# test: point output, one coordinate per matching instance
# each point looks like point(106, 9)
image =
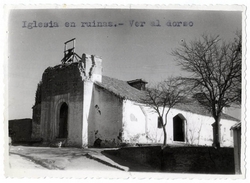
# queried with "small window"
point(160, 122)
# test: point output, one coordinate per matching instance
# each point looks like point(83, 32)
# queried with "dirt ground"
point(18, 162)
point(22, 157)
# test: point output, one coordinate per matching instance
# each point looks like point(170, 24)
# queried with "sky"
point(128, 52)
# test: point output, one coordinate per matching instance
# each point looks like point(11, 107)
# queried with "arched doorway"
point(179, 128)
point(63, 121)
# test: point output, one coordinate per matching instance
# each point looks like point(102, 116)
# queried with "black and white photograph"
point(126, 90)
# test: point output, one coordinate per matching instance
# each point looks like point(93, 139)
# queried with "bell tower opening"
point(63, 121)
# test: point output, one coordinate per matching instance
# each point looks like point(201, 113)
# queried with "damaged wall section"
point(105, 119)
point(69, 85)
point(60, 84)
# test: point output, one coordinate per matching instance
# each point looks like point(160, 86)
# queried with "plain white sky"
point(127, 52)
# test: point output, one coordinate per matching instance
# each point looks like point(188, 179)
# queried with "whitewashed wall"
point(134, 123)
point(104, 118)
point(226, 133)
point(140, 125)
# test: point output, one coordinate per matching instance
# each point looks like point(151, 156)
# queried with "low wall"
point(20, 130)
point(198, 160)
point(137, 158)
point(176, 159)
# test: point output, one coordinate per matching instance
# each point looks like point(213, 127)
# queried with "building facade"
point(77, 104)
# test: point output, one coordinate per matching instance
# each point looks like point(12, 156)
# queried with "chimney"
point(138, 84)
point(91, 67)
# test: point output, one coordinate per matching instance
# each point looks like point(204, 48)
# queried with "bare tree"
point(162, 98)
point(215, 68)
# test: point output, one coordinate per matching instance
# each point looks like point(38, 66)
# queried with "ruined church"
point(77, 104)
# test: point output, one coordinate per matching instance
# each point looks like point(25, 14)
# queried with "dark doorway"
point(63, 121)
point(179, 128)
